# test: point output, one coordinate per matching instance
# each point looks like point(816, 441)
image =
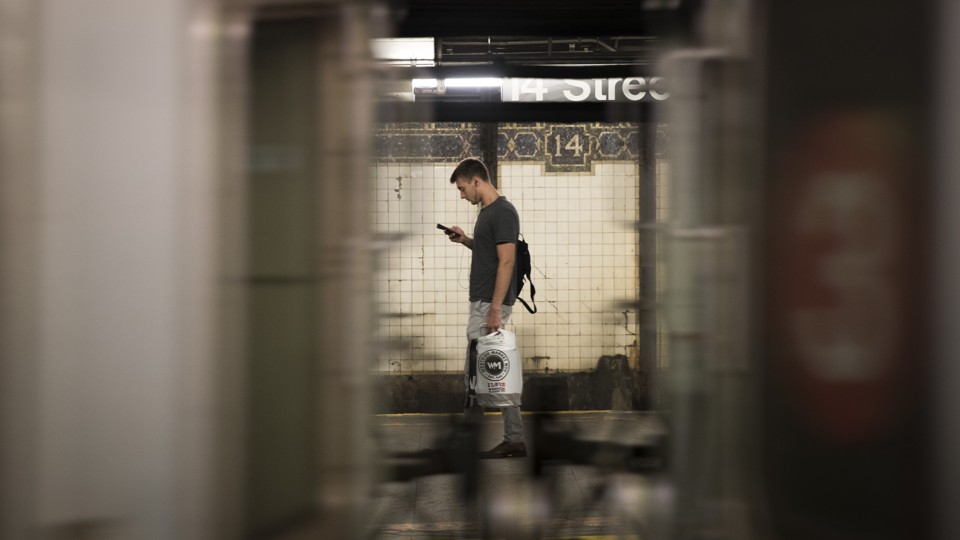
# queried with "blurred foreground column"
point(345, 117)
point(112, 416)
point(710, 245)
point(845, 341)
point(946, 238)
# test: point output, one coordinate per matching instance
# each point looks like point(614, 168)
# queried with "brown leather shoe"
point(505, 450)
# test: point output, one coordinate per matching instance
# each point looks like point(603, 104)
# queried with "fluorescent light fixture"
point(404, 51)
point(424, 83)
point(486, 82)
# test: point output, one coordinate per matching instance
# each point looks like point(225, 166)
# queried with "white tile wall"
point(584, 246)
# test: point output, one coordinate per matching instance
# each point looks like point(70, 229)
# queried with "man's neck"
point(488, 196)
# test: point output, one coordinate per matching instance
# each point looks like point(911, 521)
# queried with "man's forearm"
point(467, 241)
point(504, 273)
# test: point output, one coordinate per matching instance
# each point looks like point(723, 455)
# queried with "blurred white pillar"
point(112, 398)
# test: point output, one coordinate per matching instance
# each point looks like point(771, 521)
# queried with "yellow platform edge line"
point(397, 415)
point(604, 537)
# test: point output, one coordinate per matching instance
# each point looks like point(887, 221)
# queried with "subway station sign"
point(577, 90)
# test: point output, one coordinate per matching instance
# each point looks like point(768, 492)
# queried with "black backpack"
point(523, 268)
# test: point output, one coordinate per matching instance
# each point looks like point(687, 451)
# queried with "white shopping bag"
point(499, 370)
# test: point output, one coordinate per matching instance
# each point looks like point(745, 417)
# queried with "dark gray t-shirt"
point(498, 223)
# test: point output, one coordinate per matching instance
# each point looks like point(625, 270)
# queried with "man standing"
point(492, 283)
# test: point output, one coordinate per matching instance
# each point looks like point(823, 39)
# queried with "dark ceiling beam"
point(523, 71)
point(453, 18)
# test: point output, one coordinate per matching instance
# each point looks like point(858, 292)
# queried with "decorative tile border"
point(560, 147)
point(434, 141)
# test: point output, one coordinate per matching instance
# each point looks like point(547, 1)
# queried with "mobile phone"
point(447, 230)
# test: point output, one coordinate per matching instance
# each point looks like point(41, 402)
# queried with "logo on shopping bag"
point(494, 364)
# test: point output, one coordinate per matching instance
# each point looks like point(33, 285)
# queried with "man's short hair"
point(469, 168)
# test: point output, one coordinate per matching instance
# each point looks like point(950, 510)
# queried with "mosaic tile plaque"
point(569, 148)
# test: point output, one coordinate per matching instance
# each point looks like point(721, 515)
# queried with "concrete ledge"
point(611, 386)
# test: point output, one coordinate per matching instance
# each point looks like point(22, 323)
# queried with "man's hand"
point(494, 321)
point(460, 237)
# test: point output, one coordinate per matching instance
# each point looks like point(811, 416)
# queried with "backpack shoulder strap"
point(533, 290)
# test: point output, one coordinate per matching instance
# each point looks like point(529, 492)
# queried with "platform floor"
point(566, 501)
